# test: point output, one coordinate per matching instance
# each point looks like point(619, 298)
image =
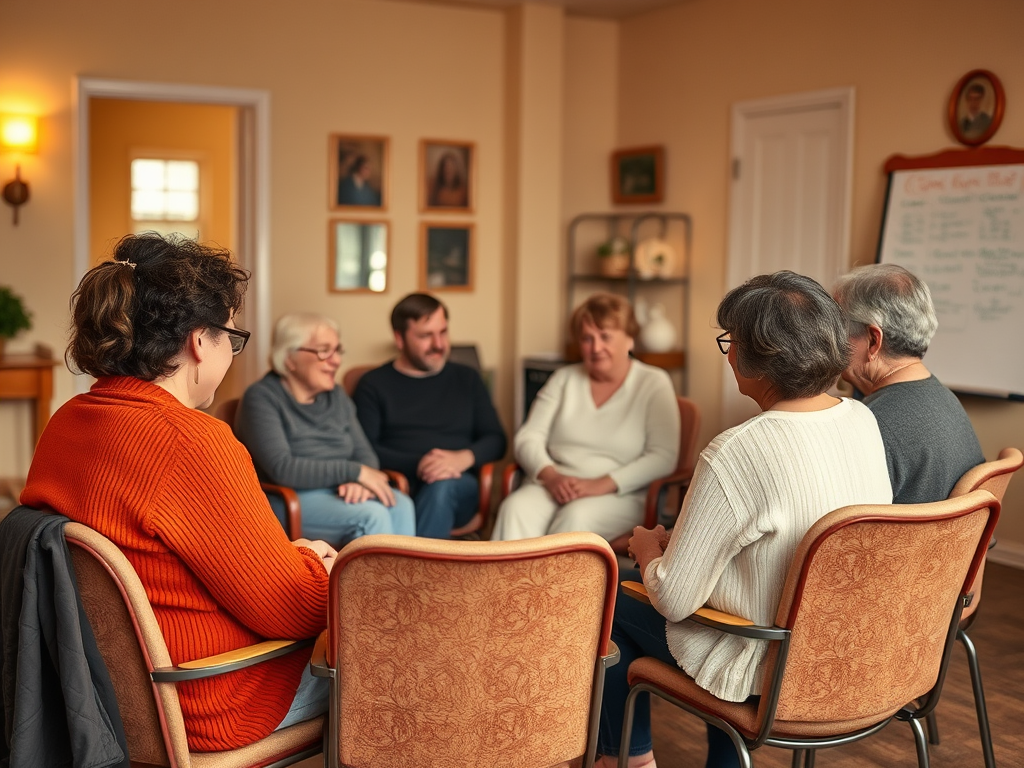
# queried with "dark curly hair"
point(131, 316)
point(788, 330)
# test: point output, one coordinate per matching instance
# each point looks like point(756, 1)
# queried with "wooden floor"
point(998, 633)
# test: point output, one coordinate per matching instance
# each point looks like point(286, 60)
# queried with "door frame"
point(253, 189)
point(737, 268)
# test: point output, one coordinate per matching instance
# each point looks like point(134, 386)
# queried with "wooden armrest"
point(486, 480)
point(638, 591)
point(230, 661)
point(721, 617)
point(508, 478)
point(292, 507)
point(318, 661)
point(398, 480)
point(682, 480)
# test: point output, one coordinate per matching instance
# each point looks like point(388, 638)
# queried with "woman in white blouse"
point(598, 433)
point(756, 490)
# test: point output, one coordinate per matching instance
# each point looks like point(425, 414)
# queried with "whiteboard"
point(961, 230)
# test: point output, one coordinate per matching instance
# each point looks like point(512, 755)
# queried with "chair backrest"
point(350, 380)
point(468, 653)
point(869, 601)
point(227, 411)
point(689, 428)
point(132, 645)
point(994, 477)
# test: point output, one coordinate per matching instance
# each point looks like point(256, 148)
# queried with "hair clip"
point(127, 263)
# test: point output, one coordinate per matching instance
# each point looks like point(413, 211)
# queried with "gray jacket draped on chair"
point(59, 707)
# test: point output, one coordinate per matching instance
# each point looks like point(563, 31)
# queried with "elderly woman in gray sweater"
point(301, 431)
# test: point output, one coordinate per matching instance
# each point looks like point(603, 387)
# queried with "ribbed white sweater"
point(757, 489)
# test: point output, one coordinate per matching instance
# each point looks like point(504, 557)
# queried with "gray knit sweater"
point(929, 441)
point(319, 445)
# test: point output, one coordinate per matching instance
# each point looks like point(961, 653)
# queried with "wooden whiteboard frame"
point(951, 158)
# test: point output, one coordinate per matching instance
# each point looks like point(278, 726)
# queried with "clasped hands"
point(371, 484)
point(647, 544)
point(439, 464)
point(565, 488)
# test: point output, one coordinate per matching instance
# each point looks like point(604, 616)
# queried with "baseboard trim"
point(1008, 553)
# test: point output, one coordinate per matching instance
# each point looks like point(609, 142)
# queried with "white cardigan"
point(756, 490)
point(633, 437)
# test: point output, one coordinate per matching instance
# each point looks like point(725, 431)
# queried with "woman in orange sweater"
point(135, 460)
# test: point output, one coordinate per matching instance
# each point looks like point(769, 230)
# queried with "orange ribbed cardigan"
point(177, 493)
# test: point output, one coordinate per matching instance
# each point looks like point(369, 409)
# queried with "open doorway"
point(238, 122)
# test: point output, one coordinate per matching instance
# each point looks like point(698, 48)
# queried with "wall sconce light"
point(18, 133)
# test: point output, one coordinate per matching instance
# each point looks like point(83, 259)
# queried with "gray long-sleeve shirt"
point(319, 445)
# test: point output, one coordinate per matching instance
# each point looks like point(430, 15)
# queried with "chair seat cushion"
point(675, 682)
point(278, 745)
point(744, 715)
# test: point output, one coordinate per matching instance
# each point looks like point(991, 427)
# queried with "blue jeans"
point(446, 504)
point(639, 630)
point(311, 700)
point(326, 516)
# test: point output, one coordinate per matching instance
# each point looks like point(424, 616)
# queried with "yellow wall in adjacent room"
point(121, 130)
point(682, 69)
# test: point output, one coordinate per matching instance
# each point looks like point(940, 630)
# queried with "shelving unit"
point(588, 230)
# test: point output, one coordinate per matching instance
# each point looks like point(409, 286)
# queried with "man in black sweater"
point(430, 419)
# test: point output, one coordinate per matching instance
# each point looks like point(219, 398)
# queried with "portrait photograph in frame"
point(638, 175)
point(447, 171)
point(358, 172)
point(976, 107)
point(357, 256)
point(446, 256)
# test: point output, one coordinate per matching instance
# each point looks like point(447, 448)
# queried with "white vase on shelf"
point(657, 334)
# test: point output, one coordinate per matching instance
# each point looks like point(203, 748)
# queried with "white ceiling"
point(609, 9)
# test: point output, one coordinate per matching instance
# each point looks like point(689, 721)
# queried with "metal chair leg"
point(979, 699)
point(921, 742)
point(932, 723)
point(798, 755)
point(809, 762)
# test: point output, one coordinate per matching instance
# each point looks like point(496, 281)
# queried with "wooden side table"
point(30, 377)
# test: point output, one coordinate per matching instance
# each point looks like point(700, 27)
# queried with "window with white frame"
point(165, 196)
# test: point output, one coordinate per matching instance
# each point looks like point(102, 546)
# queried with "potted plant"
point(613, 257)
point(13, 316)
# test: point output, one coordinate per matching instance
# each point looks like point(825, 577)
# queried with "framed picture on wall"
point(357, 258)
point(638, 175)
point(446, 257)
point(446, 175)
point(976, 107)
point(358, 172)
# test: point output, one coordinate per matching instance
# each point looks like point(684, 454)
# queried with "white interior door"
point(790, 197)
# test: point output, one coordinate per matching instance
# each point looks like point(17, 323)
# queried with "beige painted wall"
point(682, 69)
point(120, 129)
point(406, 70)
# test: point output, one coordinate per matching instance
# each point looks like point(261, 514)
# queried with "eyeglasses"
point(324, 353)
point(723, 342)
point(236, 336)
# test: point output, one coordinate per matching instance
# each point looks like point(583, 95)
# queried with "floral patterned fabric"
point(454, 664)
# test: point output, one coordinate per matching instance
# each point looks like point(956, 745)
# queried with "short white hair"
point(894, 299)
point(293, 331)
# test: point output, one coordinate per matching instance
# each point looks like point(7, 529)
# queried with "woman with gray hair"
point(929, 440)
point(301, 430)
point(756, 490)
